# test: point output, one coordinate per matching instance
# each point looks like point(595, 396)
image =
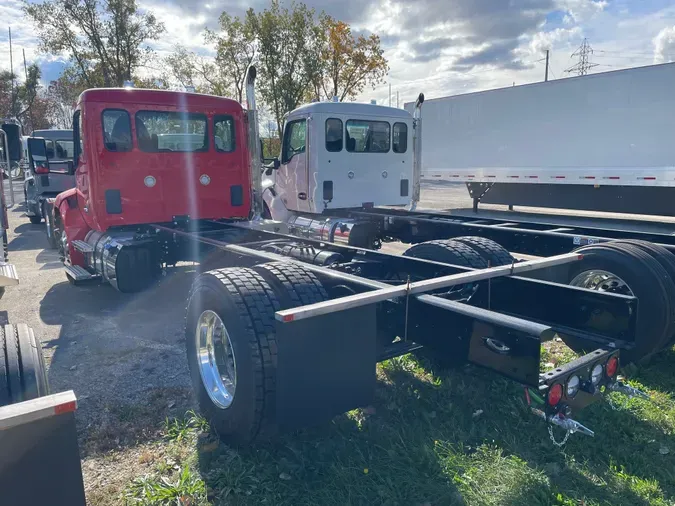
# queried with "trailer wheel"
point(23, 375)
point(492, 252)
point(447, 251)
point(231, 350)
point(626, 269)
point(667, 260)
point(293, 284)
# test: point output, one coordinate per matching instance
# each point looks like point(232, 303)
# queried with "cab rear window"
point(161, 131)
point(116, 130)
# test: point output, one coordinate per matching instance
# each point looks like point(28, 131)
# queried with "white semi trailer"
point(602, 142)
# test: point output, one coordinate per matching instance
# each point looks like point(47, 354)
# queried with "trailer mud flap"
point(325, 366)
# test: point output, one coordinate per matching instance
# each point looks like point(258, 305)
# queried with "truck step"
point(8, 275)
point(82, 247)
point(79, 273)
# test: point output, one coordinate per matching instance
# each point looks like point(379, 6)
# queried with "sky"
point(438, 47)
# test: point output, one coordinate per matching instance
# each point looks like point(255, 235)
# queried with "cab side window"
point(116, 130)
point(400, 137)
point(295, 137)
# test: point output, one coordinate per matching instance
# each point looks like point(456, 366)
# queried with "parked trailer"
point(256, 333)
point(599, 142)
point(38, 435)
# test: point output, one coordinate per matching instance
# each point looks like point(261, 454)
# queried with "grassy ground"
point(432, 438)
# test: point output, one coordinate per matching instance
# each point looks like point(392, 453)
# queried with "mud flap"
point(326, 366)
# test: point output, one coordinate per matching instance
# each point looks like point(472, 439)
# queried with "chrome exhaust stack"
point(255, 163)
point(417, 152)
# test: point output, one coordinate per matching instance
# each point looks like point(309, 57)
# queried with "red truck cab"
point(147, 157)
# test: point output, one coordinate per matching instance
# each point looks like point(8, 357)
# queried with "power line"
point(583, 65)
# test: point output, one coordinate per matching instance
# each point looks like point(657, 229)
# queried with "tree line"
point(301, 55)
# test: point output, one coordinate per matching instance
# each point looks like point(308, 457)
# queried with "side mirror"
point(276, 164)
point(13, 133)
point(38, 159)
point(262, 150)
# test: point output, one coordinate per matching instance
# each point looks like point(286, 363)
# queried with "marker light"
point(612, 366)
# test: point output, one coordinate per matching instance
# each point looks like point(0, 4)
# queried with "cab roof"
point(140, 96)
point(352, 108)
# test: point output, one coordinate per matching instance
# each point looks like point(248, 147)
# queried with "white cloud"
point(664, 45)
point(580, 11)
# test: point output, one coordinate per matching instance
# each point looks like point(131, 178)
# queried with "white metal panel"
point(612, 128)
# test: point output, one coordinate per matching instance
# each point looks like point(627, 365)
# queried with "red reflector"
point(555, 394)
point(41, 169)
point(560, 177)
point(589, 177)
point(612, 366)
point(67, 407)
point(288, 318)
point(580, 257)
point(613, 177)
point(650, 178)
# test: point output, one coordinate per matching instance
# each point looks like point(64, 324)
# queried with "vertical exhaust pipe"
point(255, 164)
point(417, 151)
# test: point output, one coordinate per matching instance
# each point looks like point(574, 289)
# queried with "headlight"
point(596, 374)
point(573, 386)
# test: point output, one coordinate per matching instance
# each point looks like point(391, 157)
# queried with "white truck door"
point(292, 180)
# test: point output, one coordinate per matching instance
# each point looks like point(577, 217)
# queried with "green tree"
point(235, 45)
point(185, 68)
point(289, 50)
point(348, 63)
point(104, 40)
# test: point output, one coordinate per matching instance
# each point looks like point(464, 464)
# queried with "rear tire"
point(23, 375)
point(293, 284)
point(492, 252)
point(667, 261)
point(647, 281)
point(447, 251)
point(246, 304)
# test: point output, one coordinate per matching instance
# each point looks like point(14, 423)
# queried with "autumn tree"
point(348, 63)
point(24, 101)
point(235, 45)
point(106, 41)
point(289, 49)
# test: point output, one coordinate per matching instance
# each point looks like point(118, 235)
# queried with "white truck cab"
point(338, 155)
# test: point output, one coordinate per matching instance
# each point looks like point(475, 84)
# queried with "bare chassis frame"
point(491, 318)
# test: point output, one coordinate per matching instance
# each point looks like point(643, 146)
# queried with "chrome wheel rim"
point(601, 281)
point(215, 357)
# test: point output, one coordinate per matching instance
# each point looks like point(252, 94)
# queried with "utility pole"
point(546, 71)
point(11, 73)
point(30, 103)
point(583, 65)
point(389, 94)
point(397, 100)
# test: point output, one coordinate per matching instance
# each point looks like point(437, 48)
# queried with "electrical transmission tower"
point(583, 65)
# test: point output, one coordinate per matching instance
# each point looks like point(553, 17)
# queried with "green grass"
point(461, 437)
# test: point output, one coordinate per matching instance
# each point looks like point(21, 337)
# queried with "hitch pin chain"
point(571, 426)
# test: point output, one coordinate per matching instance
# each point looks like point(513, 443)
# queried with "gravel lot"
point(123, 355)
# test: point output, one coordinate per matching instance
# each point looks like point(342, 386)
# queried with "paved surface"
point(118, 351)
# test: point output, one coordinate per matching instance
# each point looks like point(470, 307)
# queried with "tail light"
point(612, 366)
point(555, 393)
point(41, 169)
